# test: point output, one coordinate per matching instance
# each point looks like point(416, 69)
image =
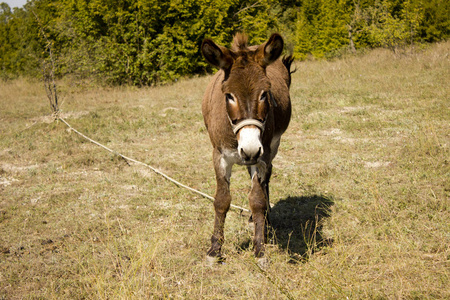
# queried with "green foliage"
point(388, 30)
point(436, 23)
point(141, 42)
point(20, 48)
point(325, 27)
point(385, 29)
point(303, 34)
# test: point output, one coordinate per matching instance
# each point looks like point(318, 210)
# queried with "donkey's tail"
point(287, 62)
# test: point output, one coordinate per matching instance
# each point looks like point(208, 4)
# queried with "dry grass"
point(360, 187)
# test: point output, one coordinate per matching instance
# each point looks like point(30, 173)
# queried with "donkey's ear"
point(270, 51)
point(216, 55)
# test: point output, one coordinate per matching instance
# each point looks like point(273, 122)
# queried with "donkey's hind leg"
point(266, 179)
point(265, 183)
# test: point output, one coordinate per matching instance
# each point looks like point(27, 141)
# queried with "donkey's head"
point(246, 88)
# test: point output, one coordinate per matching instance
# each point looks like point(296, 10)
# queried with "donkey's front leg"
point(258, 205)
point(222, 201)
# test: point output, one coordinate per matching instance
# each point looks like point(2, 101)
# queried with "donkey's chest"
point(230, 156)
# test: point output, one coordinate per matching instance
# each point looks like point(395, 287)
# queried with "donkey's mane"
point(239, 42)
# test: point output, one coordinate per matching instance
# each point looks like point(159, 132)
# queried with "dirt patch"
point(10, 168)
point(7, 181)
point(376, 164)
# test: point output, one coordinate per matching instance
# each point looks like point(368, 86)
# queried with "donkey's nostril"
point(250, 156)
point(244, 155)
point(258, 153)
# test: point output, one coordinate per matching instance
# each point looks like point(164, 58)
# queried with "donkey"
point(246, 109)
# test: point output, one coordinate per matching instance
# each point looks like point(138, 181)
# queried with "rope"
point(148, 166)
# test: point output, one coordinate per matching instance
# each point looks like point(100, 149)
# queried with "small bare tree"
point(48, 71)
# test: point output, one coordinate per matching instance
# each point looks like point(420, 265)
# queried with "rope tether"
point(148, 166)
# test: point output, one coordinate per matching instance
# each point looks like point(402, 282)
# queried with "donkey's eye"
point(263, 96)
point(229, 98)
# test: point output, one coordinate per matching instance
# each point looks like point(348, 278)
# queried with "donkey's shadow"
point(296, 225)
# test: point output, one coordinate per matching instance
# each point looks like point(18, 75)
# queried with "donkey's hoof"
point(214, 260)
point(263, 262)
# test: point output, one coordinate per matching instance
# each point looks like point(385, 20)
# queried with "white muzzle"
point(250, 147)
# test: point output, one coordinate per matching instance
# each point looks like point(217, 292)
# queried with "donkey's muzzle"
point(250, 147)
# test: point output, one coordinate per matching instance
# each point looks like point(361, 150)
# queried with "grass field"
point(360, 190)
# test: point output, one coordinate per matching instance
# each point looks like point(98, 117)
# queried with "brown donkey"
point(246, 108)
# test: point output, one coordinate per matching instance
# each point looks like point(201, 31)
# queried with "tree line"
point(146, 42)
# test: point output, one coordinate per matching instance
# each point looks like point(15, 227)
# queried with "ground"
point(360, 189)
